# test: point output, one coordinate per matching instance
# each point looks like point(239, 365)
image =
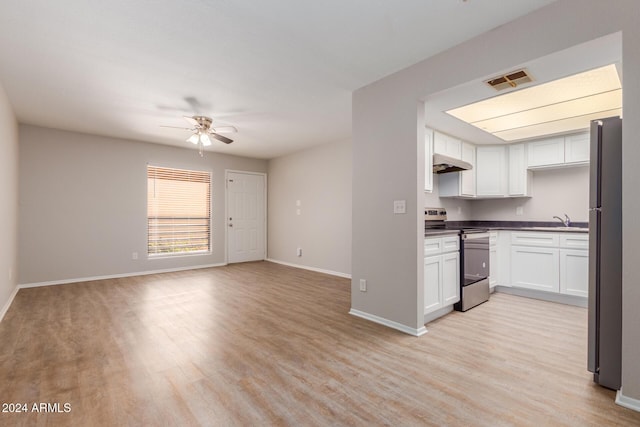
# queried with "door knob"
point(230, 225)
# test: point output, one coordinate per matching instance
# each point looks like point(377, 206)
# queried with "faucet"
point(566, 221)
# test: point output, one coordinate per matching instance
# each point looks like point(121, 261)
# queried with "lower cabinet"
point(574, 272)
point(552, 262)
point(535, 268)
point(441, 273)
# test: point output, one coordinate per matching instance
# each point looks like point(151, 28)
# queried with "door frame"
point(226, 210)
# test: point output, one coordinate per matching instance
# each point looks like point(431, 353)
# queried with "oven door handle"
point(473, 236)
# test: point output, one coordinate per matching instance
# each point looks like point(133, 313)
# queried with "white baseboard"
point(437, 314)
point(115, 276)
point(8, 304)
point(627, 402)
point(389, 323)
point(543, 295)
point(305, 267)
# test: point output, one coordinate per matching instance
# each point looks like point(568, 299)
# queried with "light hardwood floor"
point(264, 344)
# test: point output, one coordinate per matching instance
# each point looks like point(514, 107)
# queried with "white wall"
point(433, 200)
point(8, 201)
point(83, 204)
point(392, 110)
point(553, 191)
point(320, 178)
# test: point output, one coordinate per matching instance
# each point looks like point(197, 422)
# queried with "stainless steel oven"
point(474, 268)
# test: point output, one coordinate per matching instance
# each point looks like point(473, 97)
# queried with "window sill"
point(178, 255)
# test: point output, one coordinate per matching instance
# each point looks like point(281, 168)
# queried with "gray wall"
point(83, 204)
point(553, 191)
point(8, 200)
point(320, 178)
point(388, 130)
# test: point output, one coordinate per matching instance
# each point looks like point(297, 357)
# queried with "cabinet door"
point(574, 272)
point(432, 283)
point(450, 278)
point(491, 171)
point(428, 160)
point(576, 148)
point(535, 268)
point(447, 145)
point(493, 266)
point(518, 173)
point(468, 178)
point(546, 152)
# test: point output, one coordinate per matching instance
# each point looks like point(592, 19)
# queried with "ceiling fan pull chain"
point(200, 148)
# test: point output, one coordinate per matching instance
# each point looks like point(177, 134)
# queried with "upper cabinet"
point(559, 151)
point(519, 175)
point(460, 184)
point(447, 145)
point(491, 171)
point(576, 148)
point(428, 160)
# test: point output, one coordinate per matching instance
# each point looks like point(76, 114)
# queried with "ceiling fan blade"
point(191, 120)
point(224, 129)
point(175, 127)
point(221, 138)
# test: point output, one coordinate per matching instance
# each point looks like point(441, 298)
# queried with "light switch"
point(297, 211)
point(399, 206)
point(298, 203)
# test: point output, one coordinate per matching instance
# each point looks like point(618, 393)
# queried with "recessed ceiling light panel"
point(594, 91)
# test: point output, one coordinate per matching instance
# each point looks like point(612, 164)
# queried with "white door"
point(245, 217)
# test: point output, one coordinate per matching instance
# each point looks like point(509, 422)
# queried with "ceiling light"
point(204, 138)
point(193, 138)
point(560, 106)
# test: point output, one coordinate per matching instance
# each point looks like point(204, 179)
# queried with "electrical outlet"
point(459, 209)
point(297, 211)
point(134, 255)
point(399, 206)
point(519, 210)
point(299, 252)
point(363, 285)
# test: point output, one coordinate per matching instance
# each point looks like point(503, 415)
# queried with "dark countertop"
point(542, 226)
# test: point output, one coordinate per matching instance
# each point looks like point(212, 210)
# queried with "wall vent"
point(510, 80)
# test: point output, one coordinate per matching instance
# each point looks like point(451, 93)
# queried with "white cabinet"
point(428, 160)
point(493, 259)
point(545, 152)
point(574, 264)
point(441, 272)
point(552, 262)
point(460, 184)
point(447, 145)
point(574, 272)
point(576, 148)
point(535, 268)
point(491, 171)
point(450, 278)
point(468, 178)
point(566, 150)
point(432, 283)
point(519, 175)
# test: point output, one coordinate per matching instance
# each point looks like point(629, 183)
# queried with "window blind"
point(178, 211)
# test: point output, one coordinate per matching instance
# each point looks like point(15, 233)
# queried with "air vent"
point(510, 80)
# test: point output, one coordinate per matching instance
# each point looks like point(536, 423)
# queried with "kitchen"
point(546, 188)
point(522, 201)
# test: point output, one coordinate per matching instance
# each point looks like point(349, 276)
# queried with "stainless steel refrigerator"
point(605, 252)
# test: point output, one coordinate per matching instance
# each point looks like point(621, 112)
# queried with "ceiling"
point(587, 56)
point(281, 71)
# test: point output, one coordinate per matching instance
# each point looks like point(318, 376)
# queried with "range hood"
point(445, 164)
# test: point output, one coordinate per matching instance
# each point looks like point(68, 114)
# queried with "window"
point(178, 211)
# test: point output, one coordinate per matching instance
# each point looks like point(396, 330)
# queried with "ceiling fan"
point(202, 130)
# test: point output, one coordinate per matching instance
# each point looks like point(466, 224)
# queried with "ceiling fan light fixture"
point(194, 138)
point(204, 138)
